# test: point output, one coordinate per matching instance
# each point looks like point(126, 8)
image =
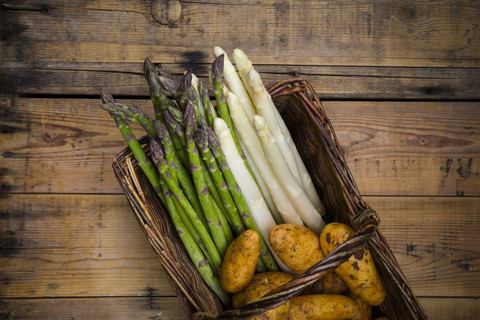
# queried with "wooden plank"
point(91, 245)
point(435, 241)
point(59, 145)
point(158, 308)
point(392, 148)
point(410, 147)
point(73, 245)
point(314, 32)
point(451, 308)
point(153, 308)
point(331, 82)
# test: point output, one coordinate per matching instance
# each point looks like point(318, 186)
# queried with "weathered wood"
point(313, 32)
point(331, 82)
point(158, 308)
point(114, 308)
point(435, 241)
point(416, 148)
point(71, 245)
point(392, 148)
point(379, 53)
point(90, 245)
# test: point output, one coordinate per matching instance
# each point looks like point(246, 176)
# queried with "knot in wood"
point(166, 12)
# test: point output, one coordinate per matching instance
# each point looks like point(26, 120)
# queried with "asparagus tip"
point(217, 67)
point(105, 96)
point(149, 67)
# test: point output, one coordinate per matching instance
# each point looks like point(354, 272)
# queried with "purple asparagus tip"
point(149, 67)
point(156, 150)
point(189, 115)
point(105, 96)
point(217, 67)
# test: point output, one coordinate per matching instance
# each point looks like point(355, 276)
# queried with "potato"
point(238, 265)
point(329, 283)
point(322, 307)
point(297, 246)
point(364, 309)
point(261, 284)
point(359, 271)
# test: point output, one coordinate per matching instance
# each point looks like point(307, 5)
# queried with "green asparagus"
point(265, 254)
point(213, 255)
point(204, 195)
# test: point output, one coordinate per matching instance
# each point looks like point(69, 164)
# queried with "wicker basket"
point(316, 141)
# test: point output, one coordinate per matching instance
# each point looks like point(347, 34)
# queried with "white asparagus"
point(302, 170)
point(310, 216)
point(261, 99)
point(235, 83)
point(244, 65)
point(250, 191)
point(261, 183)
point(258, 177)
point(254, 148)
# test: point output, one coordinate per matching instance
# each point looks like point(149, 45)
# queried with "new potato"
point(364, 309)
point(359, 271)
point(238, 265)
point(322, 307)
point(261, 284)
point(297, 246)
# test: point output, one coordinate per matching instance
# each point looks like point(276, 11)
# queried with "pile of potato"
point(349, 292)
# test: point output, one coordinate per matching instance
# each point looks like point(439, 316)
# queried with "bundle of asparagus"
point(220, 169)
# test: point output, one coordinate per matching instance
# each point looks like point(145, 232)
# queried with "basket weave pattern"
point(318, 146)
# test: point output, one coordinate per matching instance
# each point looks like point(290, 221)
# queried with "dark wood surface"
point(399, 81)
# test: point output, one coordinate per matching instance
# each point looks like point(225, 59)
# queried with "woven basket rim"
point(363, 218)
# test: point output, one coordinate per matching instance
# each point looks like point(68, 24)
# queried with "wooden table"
point(399, 80)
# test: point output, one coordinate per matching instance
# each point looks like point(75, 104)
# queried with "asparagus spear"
point(213, 255)
point(161, 103)
point(204, 195)
point(305, 208)
point(210, 112)
point(143, 161)
point(235, 84)
point(178, 171)
point(130, 113)
point(201, 138)
point(216, 75)
point(214, 144)
point(193, 245)
point(193, 100)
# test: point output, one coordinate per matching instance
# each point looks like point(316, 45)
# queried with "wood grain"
point(314, 33)
point(361, 50)
point(90, 245)
point(392, 148)
point(114, 308)
point(331, 82)
point(159, 308)
point(71, 245)
point(401, 84)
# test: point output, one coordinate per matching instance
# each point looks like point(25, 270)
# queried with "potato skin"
point(261, 284)
point(329, 283)
point(359, 271)
point(238, 265)
point(297, 246)
point(364, 309)
point(322, 307)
